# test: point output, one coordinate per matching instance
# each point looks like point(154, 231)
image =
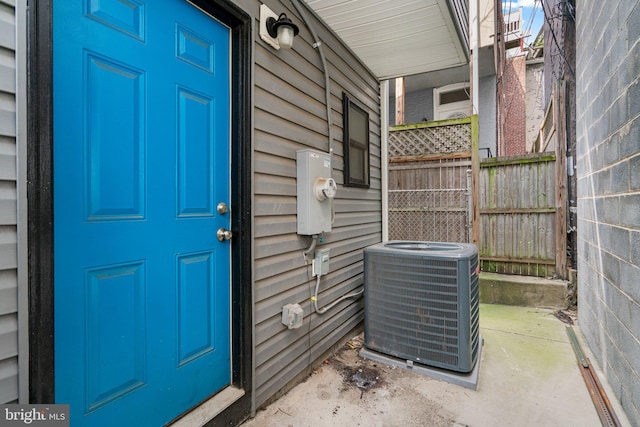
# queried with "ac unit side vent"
point(474, 290)
point(421, 302)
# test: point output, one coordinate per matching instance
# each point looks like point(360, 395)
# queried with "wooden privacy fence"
point(519, 215)
point(512, 208)
point(552, 134)
point(430, 180)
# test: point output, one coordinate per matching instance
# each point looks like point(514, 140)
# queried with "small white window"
point(451, 101)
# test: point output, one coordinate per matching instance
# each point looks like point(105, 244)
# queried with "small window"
point(454, 96)
point(451, 101)
point(356, 144)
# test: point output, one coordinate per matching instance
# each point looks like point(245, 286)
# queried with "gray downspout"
point(384, 156)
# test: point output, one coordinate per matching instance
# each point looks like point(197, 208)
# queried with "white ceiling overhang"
point(396, 38)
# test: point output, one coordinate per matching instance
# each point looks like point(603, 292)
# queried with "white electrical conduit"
point(333, 304)
point(317, 44)
point(314, 242)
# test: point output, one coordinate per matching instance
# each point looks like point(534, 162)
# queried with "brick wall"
point(608, 171)
point(513, 107)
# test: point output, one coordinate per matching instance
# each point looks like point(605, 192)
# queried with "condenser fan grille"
point(474, 290)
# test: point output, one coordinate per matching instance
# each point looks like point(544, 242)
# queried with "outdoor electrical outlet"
point(320, 264)
point(292, 316)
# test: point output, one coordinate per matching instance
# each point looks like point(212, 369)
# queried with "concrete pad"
point(524, 291)
point(528, 377)
point(468, 380)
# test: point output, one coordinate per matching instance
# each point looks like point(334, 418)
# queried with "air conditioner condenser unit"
point(422, 302)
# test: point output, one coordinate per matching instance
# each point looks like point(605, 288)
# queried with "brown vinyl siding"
point(290, 115)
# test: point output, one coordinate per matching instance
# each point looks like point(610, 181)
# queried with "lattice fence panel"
point(430, 140)
point(428, 215)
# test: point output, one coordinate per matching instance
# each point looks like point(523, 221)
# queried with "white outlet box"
point(292, 316)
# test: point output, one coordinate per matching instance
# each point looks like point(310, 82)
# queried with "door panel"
point(195, 302)
point(116, 309)
point(141, 159)
point(195, 163)
point(115, 95)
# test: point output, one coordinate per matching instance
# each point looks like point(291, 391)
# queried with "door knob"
point(223, 234)
point(222, 208)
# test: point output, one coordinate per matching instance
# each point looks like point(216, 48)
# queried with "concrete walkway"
point(528, 377)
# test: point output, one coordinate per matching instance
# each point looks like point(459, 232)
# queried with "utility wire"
point(555, 40)
point(530, 23)
point(506, 24)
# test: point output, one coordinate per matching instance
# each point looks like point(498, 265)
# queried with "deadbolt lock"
point(222, 208)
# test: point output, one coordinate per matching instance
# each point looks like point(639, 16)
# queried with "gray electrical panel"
point(315, 192)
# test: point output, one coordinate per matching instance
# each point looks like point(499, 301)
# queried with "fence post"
point(399, 100)
point(469, 206)
point(561, 179)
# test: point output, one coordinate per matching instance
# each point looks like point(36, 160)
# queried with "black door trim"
point(40, 201)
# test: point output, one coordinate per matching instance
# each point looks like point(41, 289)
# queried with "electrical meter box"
point(315, 191)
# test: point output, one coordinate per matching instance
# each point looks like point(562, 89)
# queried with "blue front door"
point(141, 161)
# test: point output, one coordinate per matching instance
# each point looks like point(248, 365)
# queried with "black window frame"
point(349, 105)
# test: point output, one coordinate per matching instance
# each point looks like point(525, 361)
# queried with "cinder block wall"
point(608, 154)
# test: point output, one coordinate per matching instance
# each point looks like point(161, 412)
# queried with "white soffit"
point(395, 37)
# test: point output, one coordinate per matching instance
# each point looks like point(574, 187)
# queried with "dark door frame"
point(40, 200)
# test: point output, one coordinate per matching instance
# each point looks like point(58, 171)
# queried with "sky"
point(532, 15)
